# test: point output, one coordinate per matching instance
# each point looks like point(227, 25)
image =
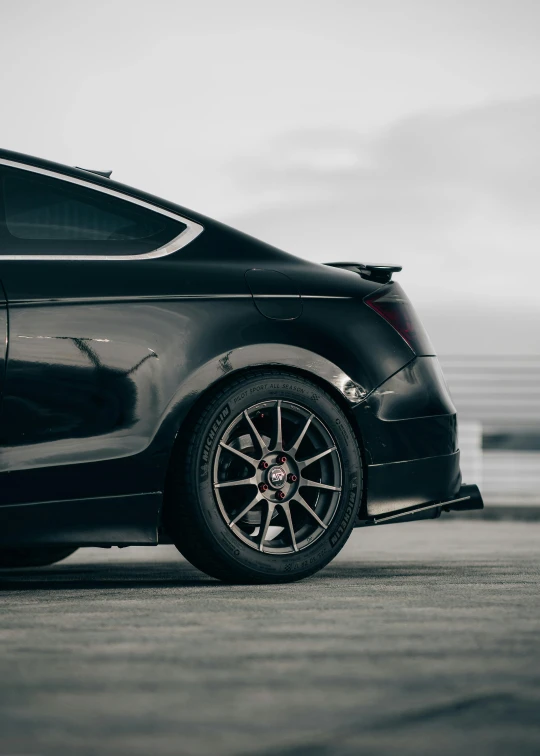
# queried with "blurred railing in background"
point(498, 403)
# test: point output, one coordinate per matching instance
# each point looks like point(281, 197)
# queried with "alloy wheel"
point(277, 477)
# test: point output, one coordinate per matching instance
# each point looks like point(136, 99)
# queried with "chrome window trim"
point(190, 233)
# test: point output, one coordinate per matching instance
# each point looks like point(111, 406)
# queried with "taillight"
point(392, 304)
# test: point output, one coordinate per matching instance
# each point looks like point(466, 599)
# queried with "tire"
point(213, 520)
point(34, 557)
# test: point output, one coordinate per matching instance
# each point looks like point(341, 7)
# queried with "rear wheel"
point(268, 485)
point(34, 557)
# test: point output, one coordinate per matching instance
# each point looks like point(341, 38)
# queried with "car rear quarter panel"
point(107, 358)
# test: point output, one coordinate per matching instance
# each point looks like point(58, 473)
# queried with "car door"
point(80, 384)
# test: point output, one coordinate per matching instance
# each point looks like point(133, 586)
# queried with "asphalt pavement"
point(420, 638)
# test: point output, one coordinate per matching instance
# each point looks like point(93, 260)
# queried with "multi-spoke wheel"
point(277, 476)
point(268, 486)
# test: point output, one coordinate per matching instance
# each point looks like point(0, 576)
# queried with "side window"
point(48, 216)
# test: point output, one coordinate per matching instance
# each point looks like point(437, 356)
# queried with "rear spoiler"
point(378, 273)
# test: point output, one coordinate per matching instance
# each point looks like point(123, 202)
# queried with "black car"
point(165, 379)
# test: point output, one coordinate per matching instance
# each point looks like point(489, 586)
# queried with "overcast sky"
point(400, 131)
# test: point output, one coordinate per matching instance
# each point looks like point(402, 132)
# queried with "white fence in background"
point(498, 397)
point(470, 444)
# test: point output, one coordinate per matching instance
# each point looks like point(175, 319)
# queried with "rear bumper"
point(402, 485)
point(408, 427)
point(409, 417)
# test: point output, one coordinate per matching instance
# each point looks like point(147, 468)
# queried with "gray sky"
point(395, 131)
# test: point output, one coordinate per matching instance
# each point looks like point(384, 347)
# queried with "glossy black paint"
point(409, 416)
point(105, 520)
point(106, 359)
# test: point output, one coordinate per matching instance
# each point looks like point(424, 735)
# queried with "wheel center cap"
point(276, 476)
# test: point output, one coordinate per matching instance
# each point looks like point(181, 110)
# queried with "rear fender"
point(254, 356)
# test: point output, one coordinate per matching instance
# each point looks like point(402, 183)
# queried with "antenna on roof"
point(105, 174)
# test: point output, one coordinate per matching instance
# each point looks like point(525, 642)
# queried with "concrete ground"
point(421, 638)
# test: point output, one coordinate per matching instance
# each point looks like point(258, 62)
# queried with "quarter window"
point(48, 216)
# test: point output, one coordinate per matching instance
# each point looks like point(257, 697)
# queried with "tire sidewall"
point(234, 551)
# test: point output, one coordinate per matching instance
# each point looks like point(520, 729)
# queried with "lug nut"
point(291, 478)
point(280, 495)
point(263, 464)
point(282, 459)
point(263, 487)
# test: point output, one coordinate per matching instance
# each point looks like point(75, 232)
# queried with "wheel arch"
point(343, 390)
point(338, 396)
